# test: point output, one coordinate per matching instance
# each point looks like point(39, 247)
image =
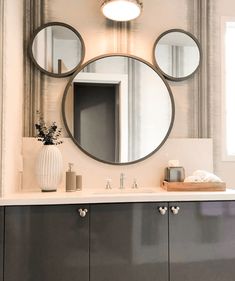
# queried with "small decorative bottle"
point(78, 182)
point(70, 179)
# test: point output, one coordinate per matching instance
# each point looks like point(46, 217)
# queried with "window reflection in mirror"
point(228, 87)
point(177, 54)
point(57, 49)
point(118, 109)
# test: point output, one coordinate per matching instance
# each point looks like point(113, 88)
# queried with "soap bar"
point(174, 174)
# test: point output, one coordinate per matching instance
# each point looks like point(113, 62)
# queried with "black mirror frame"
point(171, 78)
point(128, 56)
point(68, 73)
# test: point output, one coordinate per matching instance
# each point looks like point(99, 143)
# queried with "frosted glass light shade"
point(121, 10)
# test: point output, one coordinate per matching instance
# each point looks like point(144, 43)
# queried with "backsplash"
point(148, 173)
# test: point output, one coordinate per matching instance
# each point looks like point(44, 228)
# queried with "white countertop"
point(112, 196)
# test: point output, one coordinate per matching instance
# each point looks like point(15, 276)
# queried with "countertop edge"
point(159, 195)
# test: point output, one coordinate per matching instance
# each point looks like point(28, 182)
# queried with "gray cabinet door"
point(128, 242)
point(1, 241)
point(202, 241)
point(46, 243)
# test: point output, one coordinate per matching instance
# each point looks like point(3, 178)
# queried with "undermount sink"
point(124, 191)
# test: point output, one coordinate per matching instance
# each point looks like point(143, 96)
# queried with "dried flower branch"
point(47, 134)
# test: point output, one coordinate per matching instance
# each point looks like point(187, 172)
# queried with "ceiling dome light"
point(121, 10)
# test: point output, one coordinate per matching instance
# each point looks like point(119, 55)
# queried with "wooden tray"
point(193, 186)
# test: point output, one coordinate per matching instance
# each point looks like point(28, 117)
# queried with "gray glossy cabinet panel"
point(1, 241)
point(119, 242)
point(128, 242)
point(46, 243)
point(202, 241)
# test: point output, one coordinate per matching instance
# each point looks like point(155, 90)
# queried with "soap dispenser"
point(70, 179)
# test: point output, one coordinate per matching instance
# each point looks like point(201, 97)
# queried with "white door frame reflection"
point(57, 49)
point(115, 79)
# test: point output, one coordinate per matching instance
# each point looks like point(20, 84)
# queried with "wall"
point(100, 36)
point(147, 173)
point(1, 90)
point(222, 168)
point(12, 94)
point(136, 38)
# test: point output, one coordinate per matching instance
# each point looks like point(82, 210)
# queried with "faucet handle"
point(108, 184)
point(135, 185)
point(122, 177)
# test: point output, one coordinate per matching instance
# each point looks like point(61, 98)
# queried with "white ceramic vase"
point(49, 168)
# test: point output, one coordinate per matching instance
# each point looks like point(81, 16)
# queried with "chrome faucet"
point(122, 176)
point(135, 185)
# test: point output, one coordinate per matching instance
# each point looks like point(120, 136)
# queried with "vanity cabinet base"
point(193, 241)
point(46, 243)
point(128, 242)
point(1, 241)
point(202, 241)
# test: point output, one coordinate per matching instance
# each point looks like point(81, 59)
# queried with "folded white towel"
point(202, 176)
point(192, 179)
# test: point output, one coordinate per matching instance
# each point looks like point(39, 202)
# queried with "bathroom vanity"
point(121, 240)
point(155, 236)
point(1, 241)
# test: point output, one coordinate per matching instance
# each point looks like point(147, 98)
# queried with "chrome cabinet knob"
point(82, 212)
point(162, 210)
point(175, 210)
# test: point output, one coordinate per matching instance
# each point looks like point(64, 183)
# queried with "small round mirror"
point(57, 49)
point(177, 54)
point(118, 109)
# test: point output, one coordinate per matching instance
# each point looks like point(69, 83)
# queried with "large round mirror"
point(57, 49)
point(118, 109)
point(177, 54)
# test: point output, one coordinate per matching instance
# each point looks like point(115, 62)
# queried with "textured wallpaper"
point(102, 36)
